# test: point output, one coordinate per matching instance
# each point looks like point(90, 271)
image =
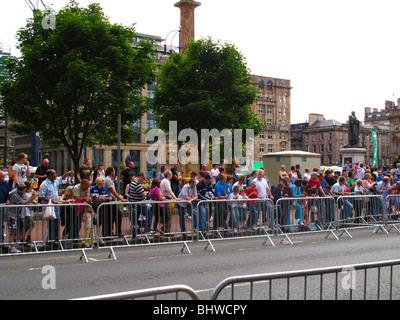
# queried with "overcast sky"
point(339, 55)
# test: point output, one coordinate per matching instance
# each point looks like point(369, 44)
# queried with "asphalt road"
point(153, 266)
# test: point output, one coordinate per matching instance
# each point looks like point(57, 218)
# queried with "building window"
point(151, 89)
point(270, 148)
point(269, 122)
point(114, 158)
point(262, 146)
point(269, 85)
point(321, 136)
point(270, 135)
point(262, 135)
point(329, 148)
point(136, 130)
point(260, 109)
point(261, 84)
point(283, 147)
point(306, 138)
point(314, 137)
point(269, 110)
point(97, 157)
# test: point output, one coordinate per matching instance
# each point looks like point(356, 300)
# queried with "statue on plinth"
point(354, 130)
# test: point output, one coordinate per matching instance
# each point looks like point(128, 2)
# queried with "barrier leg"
point(345, 231)
point(288, 239)
point(83, 255)
point(112, 253)
point(269, 239)
point(331, 233)
point(209, 244)
point(185, 246)
point(381, 228)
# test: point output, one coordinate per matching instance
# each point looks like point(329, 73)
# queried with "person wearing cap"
point(204, 192)
point(49, 192)
point(16, 198)
point(314, 183)
point(383, 186)
point(4, 196)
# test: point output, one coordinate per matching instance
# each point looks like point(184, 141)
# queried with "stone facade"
point(328, 137)
point(273, 107)
point(390, 116)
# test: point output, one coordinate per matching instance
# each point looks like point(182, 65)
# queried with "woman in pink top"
point(158, 209)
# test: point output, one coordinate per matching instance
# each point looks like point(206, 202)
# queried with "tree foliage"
point(71, 83)
point(207, 87)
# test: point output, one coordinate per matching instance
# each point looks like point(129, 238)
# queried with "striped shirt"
point(135, 192)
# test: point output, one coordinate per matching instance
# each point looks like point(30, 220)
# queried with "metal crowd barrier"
point(25, 229)
point(393, 208)
point(144, 223)
point(305, 214)
point(359, 281)
point(366, 281)
point(154, 292)
point(355, 211)
point(219, 219)
point(116, 224)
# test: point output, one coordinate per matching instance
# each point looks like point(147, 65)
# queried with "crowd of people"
point(243, 201)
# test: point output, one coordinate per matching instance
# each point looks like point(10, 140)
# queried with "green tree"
point(70, 83)
point(207, 87)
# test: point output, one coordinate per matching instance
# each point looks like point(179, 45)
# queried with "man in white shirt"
point(338, 190)
point(383, 186)
point(360, 172)
point(188, 193)
point(214, 174)
point(241, 182)
point(265, 192)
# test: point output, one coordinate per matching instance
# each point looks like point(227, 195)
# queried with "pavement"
point(30, 277)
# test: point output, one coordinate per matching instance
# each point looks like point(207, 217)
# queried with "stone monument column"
point(187, 22)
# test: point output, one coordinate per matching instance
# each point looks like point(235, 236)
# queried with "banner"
point(375, 159)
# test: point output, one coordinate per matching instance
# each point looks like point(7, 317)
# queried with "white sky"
point(339, 55)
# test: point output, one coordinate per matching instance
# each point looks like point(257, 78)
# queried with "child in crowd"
point(66, 212)
point(358, 201)
point(395, 200)
point(313, 207)
point(87, 224)
point(26, 218)
point(235, 207)
point(242, 209)
point(229, 181)
point(252, 193)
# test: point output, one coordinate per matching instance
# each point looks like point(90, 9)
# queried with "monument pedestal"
point(353, 154)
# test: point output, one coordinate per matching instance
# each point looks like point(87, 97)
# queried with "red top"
point(253, 196)
point(312, 184)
